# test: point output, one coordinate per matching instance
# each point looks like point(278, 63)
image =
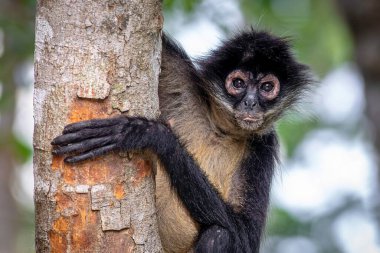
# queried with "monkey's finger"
point(81, 135)
point(91, 154)
point(94, 123)
point(85, 145)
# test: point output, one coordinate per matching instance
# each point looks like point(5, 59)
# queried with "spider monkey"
point(215, 139)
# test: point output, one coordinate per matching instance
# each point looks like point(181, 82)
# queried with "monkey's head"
point(252, 79)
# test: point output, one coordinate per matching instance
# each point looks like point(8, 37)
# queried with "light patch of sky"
point(356, 232)
point(330, 166)
point(340, 98)
point(296, 244)
point(24, 115)
point(327, 167)
point(22, 190)
point(24, 74)
point(224, 13)
point(204, 33)
point(199, 37)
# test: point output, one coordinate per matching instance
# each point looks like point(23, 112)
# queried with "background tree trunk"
point(94, 59)
point(9, 218)
point(364, 22)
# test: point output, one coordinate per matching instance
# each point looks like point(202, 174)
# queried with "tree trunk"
point(94, 59)
point(364, 22)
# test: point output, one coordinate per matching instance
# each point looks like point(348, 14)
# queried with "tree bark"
point(94, 59)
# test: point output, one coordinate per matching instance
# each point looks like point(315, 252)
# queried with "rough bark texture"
point(94, 59)
point(364, 22)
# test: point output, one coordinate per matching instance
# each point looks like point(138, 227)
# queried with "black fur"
point(187, 93)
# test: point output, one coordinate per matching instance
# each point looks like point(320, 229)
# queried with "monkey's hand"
point(92, 138)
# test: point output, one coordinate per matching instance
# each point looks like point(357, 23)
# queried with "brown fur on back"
point(217, 154)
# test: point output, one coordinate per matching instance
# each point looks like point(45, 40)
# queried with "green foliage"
point(293, 130)
point(186, 5)
point(21, 150)
point(17, 23)
point(281, 223)
point(19, 37)
point(17, 26)
point(26, 234)
point(28, 4)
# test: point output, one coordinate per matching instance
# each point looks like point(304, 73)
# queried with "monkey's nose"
point(249, 104)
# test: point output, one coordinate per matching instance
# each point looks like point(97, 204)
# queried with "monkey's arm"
point(258, 169)
point(222, 230)
point(89, 139)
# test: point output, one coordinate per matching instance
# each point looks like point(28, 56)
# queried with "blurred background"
point(326, 193)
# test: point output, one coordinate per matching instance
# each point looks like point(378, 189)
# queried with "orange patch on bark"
point(125, 243)
point(80, 226)
point(90, 172)
point(99, 171)
point(82, 109)
point(84, 229)
point(58, 235)
point(69, 174)
point(84, 240)
point(83, 205)
point(64, 202)
point(61, 225)
point(58, 242)
point(118, 191)
point(143, 170)
point(57, 162)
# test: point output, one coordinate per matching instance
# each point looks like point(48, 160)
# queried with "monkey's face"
point(253, 79)
point(252, 96)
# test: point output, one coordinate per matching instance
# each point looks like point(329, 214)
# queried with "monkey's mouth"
point(249, 118)
point(248, 121)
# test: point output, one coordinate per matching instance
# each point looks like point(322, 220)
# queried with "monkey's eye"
point(238, 83)
point(235, 84)
point(267, 86)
